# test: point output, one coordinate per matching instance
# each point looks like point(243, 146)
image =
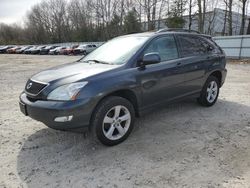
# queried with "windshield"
point(116, 51)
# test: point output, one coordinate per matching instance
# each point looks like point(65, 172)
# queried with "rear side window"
point(165, 46)
point(211, 46)
point(191, 46)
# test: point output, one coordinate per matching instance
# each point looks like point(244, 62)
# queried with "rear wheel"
point(210, 92)
point(113, 120)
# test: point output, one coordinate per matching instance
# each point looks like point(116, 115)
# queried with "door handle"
point(179, 64)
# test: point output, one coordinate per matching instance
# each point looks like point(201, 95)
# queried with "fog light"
point(63, 119)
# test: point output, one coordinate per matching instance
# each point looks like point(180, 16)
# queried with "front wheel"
point(113, 120)
point(210, 92)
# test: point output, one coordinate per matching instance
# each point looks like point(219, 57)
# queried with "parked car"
point(22, 49)
point(46, 50)
point(56, 50)
point(64, 50)
point(13, 50)
point(4, 49)
point(28, 50)
point(68, 50)
point(126, 77)
point(37, 49)
point(84, 49)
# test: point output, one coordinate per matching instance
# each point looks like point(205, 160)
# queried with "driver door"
point(162, 82)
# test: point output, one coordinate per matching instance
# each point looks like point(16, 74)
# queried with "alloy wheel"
point(116, 122)
point(212, 91)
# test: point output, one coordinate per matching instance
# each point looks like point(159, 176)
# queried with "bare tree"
point(150, 11)
point(12, 34)
point(230, 17)
point(225, 22)
point(204, 14)
point(191, 4)
point(48, 21)
point(211, 16)
point(200, 17)
point(243, 17)
point(98, 20)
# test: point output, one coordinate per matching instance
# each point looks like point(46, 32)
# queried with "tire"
point(107, 125)
point(211, 88)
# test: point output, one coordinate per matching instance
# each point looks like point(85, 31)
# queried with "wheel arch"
point(124, 93)
point(218, 75)
point(127, 94)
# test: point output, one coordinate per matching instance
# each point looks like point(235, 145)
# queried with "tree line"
point(55, 21)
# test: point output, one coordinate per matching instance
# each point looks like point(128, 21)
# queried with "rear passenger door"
point(195, 58)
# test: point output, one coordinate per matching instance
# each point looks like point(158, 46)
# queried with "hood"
point(75, 71)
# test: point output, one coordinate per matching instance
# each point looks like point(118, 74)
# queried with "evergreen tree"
point(175, 22)
point(131, 22)
point(175, 15)
point(114, 28)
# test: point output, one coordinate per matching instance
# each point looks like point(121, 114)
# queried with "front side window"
point(165, 46)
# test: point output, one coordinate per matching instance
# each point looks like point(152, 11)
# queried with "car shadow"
point(180, 136)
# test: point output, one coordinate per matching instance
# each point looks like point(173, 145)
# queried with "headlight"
point(66, 92)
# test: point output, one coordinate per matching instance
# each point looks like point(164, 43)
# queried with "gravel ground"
point(181, 145)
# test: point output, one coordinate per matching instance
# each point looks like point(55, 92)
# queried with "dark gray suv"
point(126, 77)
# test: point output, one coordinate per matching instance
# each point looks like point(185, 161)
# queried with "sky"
point(14, 11)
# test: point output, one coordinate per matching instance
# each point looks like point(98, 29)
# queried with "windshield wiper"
point(97, 61)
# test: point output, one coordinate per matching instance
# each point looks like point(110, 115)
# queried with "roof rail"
point(177, 30)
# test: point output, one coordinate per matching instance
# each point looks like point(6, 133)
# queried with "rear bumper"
point(47, 111)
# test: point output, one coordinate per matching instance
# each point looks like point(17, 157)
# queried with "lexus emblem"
point(29, 85)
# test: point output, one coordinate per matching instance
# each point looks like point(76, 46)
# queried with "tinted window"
point(191, 46)
point(210, 46)
point(165, 46)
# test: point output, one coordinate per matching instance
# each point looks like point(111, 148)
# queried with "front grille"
point(34, 88)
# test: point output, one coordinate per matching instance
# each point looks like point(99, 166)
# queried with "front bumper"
point(47, 111)
point(224, 74)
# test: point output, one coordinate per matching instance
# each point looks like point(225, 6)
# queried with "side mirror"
point(150, 58)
